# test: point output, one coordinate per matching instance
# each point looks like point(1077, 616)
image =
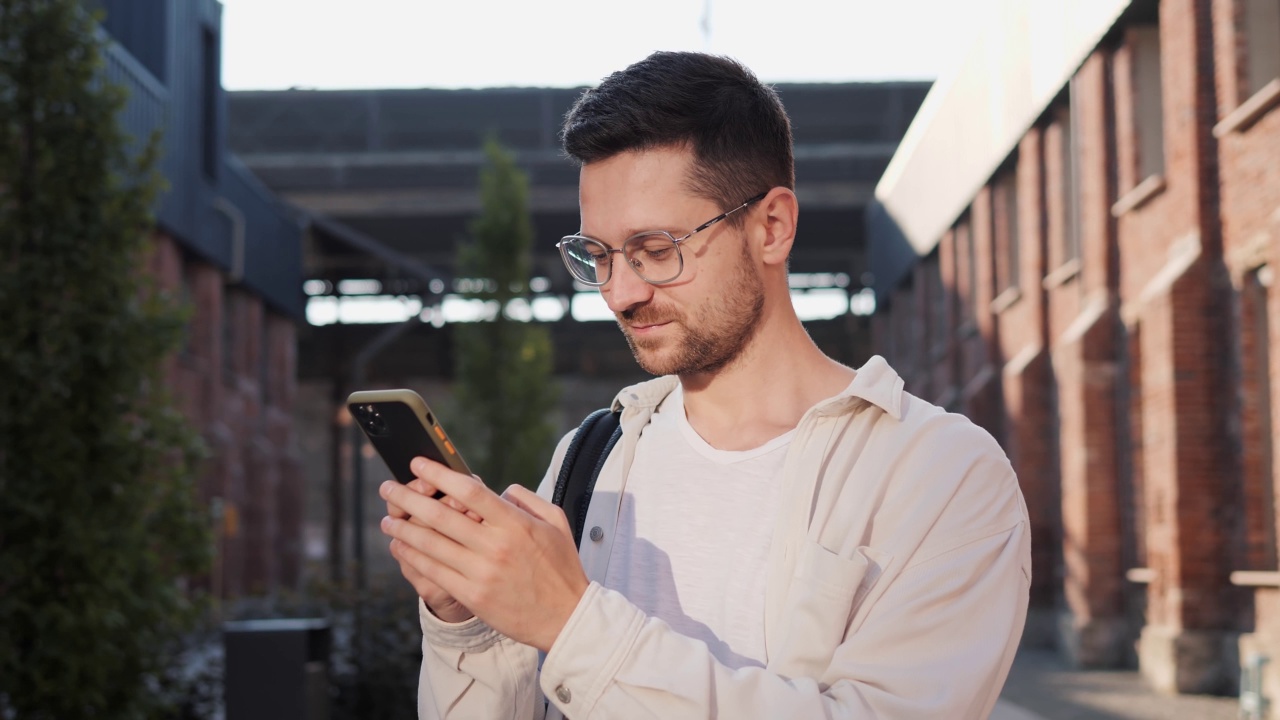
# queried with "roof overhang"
point(1020, 59)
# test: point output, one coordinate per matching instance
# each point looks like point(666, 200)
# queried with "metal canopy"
point(389, 182)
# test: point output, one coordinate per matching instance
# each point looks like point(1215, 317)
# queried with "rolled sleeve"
point(589, 650)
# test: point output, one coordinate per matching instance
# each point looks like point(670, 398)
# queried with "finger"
point(427, 541)
point(422, 486)
point(420, 466)
point(466, 489)
point(425, 488)
point(431, 569)
point(397, 512)
point(460, 508)
point(415, 578)
point(427, 590)
point(434, 515)
point(416, 485)
point(407, 501)
point(529, 501)
point(400, 513)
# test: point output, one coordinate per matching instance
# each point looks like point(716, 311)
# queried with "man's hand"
point(517, 568)
point(441, 603)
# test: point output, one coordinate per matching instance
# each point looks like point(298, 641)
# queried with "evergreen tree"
point(98, 518)
point(504, 365)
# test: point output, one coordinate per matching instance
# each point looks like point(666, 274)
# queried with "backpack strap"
point(590, 446)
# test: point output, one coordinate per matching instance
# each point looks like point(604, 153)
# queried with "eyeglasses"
point(654, 255)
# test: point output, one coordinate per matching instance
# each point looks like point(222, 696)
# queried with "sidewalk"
point(1042, 687)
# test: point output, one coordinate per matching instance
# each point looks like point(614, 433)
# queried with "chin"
point(652, 361)
point(652, 358)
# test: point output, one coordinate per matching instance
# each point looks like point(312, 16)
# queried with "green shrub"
point(98, 518)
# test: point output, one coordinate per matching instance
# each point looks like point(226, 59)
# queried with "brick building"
point(225, 244)
point(1074, 246)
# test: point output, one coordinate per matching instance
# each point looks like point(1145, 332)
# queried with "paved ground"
point(1041, 687)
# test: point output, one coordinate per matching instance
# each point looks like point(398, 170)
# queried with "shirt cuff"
point(473, 635)
point(589, 650)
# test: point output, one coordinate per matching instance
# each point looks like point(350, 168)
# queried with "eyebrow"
point(630, 233)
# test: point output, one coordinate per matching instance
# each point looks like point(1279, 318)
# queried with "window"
point(1062, 195)
point(211, 90)
point(966, 253)
point(1004, 224)
point(1148, 99)
point(1256, 410)
point(1262, 44)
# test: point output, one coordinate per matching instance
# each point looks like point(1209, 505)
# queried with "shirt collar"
point(875, 382)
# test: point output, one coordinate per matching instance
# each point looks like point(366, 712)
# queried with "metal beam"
point(351, 237)
point(438, 202)
point(476, 158)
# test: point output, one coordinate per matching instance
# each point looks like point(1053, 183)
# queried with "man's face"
point(701, 322)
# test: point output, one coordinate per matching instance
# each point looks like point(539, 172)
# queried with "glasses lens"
point(586, 259)
point(655, 256)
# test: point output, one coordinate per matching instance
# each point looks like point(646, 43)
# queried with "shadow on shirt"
point(654, 565)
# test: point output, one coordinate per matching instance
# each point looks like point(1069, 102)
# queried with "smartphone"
point(401, 427)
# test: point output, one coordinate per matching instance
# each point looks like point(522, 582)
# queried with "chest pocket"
point(825, 592)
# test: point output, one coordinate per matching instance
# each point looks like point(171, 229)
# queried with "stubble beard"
point(717, 335)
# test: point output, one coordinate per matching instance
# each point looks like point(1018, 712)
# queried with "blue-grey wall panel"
point(167, 53)
point(141, 26)
point(272, 240)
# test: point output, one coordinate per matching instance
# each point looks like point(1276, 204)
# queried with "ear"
point(779, 213)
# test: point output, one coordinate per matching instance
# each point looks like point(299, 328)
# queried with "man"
point(776, 535)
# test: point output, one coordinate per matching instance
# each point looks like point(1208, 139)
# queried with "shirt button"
point(597, 534)
point(563, 694)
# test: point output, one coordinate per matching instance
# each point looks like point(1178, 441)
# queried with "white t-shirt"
point(693, 532)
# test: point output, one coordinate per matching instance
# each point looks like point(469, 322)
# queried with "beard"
point(709, 339)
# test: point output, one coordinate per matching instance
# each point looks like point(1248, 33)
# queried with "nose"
point(625, 288)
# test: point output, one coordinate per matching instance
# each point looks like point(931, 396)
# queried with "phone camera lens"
point(375, 424)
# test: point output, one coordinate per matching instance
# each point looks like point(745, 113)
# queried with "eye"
point(656, 248)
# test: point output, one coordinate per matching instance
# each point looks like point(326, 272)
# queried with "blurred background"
point(1060, 219)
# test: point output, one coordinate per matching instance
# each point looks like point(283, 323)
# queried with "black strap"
point(590, 446)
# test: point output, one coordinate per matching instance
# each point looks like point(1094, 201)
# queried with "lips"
point(638, 326)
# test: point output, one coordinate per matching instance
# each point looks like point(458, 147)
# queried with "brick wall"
point(1133, 370)
point(235, 380)
point(1248, 151)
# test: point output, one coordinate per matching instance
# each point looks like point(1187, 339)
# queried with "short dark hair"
point(735, 125)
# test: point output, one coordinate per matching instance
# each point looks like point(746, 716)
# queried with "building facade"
point(1075, 246)
point(224, 244)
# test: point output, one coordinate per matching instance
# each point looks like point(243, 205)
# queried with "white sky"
point(331, 44)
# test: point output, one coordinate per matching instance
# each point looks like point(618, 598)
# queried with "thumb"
point(528, 501)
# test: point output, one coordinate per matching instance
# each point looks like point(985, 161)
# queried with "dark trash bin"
point(276, 669)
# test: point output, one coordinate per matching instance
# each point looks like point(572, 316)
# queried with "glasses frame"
point(564, 242)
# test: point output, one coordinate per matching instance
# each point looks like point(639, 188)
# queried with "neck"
point(765, 391)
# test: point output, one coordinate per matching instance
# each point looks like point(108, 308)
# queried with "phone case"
point(400, 426)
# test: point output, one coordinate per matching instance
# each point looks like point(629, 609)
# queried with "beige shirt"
point(897, 586)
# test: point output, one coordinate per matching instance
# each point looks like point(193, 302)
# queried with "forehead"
point(633, 183)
